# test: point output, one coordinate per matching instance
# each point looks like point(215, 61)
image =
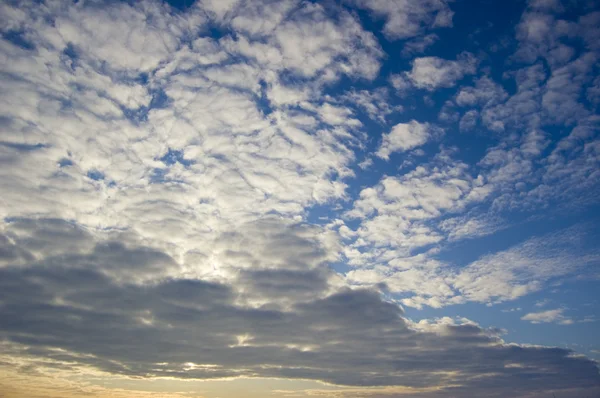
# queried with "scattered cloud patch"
point(431, 73)
point(549, 316)
point(405, 19)
point(405, 136)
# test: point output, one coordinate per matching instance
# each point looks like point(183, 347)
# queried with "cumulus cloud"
point(485, 93)
point(403, 137)
point(432, 73)
point(401, 83)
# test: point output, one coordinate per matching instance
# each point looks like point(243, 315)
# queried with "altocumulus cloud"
point(157, 184)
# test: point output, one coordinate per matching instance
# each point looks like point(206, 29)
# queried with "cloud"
point(547, 5)
point(403, 137)
point(392, 237)
point(431, 73)
point(563, 90)
point(76, 312)
point(375, 103)
point(469, 120)
point(485, 93)
point(513, 309)
point(184, 205)
point(471, 226)
point(419, 45)
point(309, 42)
point(542, 303)
point(402, 220)
point(208, 113)
point(541, 33)
point(405, 19)
point(550, 94)
point(401, 83)
point(549, 316)
point(524, 268)
point(306, 41)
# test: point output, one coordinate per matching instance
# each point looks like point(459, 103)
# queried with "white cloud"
point(503, 276)
point(513, 309)
point(365, 164)
point(485, 93)
point(337, 115)
point(549, 316)
point(403, 137)
point(399, 216)
point(471, 226)
point(401, 83)
point(210, 116)
point(375, 103)
point(405, 18)
point(432, 73)
point(117, 35)
point(561, 98)
point(309, 42)
point(469, 120)
point(524, 268)
point(261, 18)
point(542, 303)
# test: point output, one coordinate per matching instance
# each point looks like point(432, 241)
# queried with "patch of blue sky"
point(262, 102)
point(173, 156)
point(523, 226)
point(21, 147)
point(159, 175)
point(70, 56)
point(142, 78)
point(64, 162)
point(19, 39)
point(160, 100)
point(95, 175)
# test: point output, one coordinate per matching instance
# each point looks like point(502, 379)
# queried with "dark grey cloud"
point(80, 304)
point(284, 286)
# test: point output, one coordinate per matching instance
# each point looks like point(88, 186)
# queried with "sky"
point(263, 198)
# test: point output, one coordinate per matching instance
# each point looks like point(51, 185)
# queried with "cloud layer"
point(242, 189)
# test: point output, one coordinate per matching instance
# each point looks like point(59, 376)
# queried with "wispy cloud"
point(549, 316)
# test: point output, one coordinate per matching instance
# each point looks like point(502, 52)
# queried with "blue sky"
point(341, 198)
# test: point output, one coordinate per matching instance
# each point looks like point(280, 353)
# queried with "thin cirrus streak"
point(299, 198)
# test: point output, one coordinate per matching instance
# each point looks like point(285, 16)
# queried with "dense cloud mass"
point(241, 189)
point(86, 304)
